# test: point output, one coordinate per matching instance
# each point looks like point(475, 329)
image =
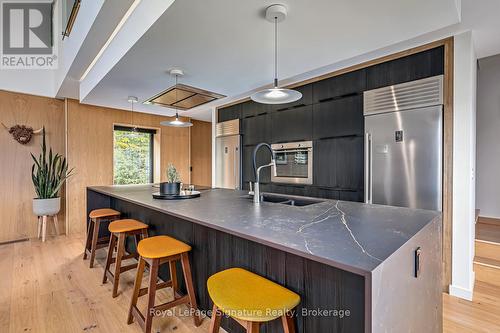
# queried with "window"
point(133, 155)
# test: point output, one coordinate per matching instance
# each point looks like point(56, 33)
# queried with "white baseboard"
point(462, 292)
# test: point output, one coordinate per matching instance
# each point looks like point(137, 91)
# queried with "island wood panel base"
point(321, 287)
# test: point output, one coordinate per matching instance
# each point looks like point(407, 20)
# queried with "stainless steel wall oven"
point(294, 162)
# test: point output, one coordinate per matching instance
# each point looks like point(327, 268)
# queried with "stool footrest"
point(171, 304)
point(161, 285)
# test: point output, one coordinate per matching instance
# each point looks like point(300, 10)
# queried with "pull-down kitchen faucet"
point(256, 189)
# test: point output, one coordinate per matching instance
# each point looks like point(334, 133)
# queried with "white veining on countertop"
point(313, 222)
point(344, 222)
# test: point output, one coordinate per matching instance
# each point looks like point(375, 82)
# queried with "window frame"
point(152, 133)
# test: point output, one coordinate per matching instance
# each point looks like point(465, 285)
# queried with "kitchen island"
point(354, 265)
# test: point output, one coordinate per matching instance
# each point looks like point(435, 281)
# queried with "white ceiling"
point(226, 46)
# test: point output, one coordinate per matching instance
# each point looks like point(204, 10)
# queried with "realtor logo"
point(27, 35)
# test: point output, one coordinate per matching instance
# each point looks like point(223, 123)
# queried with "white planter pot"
point(47, 207)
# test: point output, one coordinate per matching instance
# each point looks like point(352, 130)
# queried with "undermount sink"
point(288, 200)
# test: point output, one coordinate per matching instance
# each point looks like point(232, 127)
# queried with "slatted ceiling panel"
point(405, 96)
point(172, 96)
point(193, 101)
point(183, 97)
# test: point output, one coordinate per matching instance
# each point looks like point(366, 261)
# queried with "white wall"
point(488, 145)
point(464, 137)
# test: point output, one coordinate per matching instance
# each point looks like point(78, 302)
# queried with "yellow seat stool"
point(119, 230)
point(250, 299)
point(155, 251)
point(93, 241)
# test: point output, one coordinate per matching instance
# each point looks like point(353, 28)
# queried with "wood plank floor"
point(49, 288)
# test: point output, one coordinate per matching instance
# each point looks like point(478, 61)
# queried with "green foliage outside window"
point(132, 157)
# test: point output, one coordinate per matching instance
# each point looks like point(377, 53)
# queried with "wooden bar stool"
point(250, 299)
point(156, 251)
point(119, 230)
point(93, 241)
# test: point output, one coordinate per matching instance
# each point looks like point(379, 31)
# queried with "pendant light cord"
point(275, 52)
point(176, 97)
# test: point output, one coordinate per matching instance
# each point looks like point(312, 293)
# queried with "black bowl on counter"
point(170, 188)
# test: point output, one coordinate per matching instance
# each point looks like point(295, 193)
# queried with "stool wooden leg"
point(173, 277)
point(39, 226)
point(252, 327)
point(137, 288)
point(95, 236)
point(137, 239)
point(215, 321)
point(44, 227)
point(56, 224)
point(118, 262)
point(288, 324)
point(153, 275)
point(109, 258)
point(88, 241)
point(186, 269)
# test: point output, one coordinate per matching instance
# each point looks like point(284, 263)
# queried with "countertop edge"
point(348, 268)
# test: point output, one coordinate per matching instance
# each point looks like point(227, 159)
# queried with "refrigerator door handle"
point(368, 168)
point(236, 169)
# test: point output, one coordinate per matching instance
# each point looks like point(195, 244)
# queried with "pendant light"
point(132, 100)
point(276, 95)
point(177, 122)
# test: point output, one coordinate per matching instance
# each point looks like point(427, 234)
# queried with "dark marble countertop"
point(351, 236)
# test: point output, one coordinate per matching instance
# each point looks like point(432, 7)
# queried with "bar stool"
point(119, 231)
point(250, 299)
point(155, 251)
point(93, 241)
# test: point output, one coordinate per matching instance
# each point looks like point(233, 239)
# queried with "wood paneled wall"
point(201, 153)
point(90, 151)
point(16, 188)
point(88, 144)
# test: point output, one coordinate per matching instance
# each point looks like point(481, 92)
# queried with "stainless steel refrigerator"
point(404, 144)
point(228, 155)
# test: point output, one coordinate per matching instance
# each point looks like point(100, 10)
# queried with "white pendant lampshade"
point(276, 95)
point(177, 122)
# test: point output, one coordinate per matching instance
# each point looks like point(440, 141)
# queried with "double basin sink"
point(287, 200)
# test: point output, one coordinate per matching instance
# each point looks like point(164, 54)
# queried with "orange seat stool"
point(119, 230)
point(155, 251)
point(93, 241)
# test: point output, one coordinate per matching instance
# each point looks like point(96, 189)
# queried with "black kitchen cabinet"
point(339, 117)
point(349, 162)
point(256, 129)
point(339, 162)
point(292, 125)
point(347, 195)
point(414, 67)
point(345, 84)
point(263, 157)
point(322, 192)
point(324, 166)
point(289, 189)
point(251, 108)
point(306, 99)
point(229, 113)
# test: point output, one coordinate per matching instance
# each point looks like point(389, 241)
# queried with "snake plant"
point(49, 172)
